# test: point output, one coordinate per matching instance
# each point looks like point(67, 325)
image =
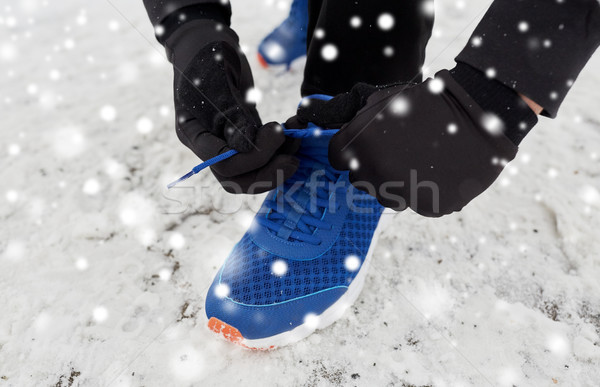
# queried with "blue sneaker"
point(303, 261)
point(287, 42)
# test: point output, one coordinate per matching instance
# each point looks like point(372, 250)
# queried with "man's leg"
point(372, 41)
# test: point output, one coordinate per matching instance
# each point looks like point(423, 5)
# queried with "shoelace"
point(204, 165)
point(296, 216)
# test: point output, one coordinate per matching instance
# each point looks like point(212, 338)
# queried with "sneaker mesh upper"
point(248, 274)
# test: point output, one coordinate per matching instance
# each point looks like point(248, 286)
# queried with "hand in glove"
point(429, 147)
point(212, 78)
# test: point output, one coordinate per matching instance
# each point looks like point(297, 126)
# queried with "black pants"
point(373, 41)
point(537, 47)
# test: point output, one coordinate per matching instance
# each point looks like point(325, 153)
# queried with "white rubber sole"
point(314, 323)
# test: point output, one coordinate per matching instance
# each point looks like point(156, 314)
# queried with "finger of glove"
point(337, 111)
point(290, 146)
point(394, 197)
point(238, 130)
point(192, 134)
point(296, 122)
point(268, 140)
point(328, 114)
point(361, 184)
point(341, 152)
point(273, 174)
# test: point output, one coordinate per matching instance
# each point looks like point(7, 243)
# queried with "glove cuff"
point(494, 97)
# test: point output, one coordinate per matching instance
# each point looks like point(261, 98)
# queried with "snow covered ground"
point(103, 272)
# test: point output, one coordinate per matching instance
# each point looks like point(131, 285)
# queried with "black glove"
point(337, 111)
point(212, 78)
point(429, 147)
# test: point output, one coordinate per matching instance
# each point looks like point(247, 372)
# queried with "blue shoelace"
point(294, 217)
point(204, 165)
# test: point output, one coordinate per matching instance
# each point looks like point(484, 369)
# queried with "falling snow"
point(104, 272)
point(355, 21)
point(108, 113)
point(492, 123)
point(329, 52)
point(279, 268)
point(253, 95)
point(144, 125)
point(452, 128)
point(352, 263)
point(436, 86)
point(385, 21)
point(400, 106)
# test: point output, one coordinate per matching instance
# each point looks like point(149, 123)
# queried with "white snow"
point(386, 21)
point(523, 26)
point(452, 128)
point(352, 263)
point(355, 21)
point(436, 86)
point(279, 268)
point(400, 106)
point(96, 288)
point(144, 125)
point(329, 52)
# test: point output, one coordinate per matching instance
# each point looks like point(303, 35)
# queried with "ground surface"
point(103, 272)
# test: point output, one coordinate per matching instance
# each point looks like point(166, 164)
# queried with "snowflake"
point(100, 314)
point(177, 241)
point(279, 268)
point(144, 125)
point(91, 187)
point(355, 21)
point(311, 320)
point(329, 52)
point(108, 113)
point(492, 123)
point(253, 95)
point(523, 26)
point(222, 290)
point(81, 264)
point(386, 21)
point(436, 86)
point(352, 263)
point(400, 106)
point(452, 128)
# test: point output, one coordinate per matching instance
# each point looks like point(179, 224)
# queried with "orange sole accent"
point(231, 334)
point(262, 61)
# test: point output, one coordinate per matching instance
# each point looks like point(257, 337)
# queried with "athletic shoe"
point(287, 42)
point(304, 259)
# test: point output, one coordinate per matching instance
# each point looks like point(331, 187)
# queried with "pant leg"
point(373, 41)
point(537, 47)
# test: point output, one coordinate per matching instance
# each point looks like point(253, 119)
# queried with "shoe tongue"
point(290, 223)
point(315, 143)
point(313, 157)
